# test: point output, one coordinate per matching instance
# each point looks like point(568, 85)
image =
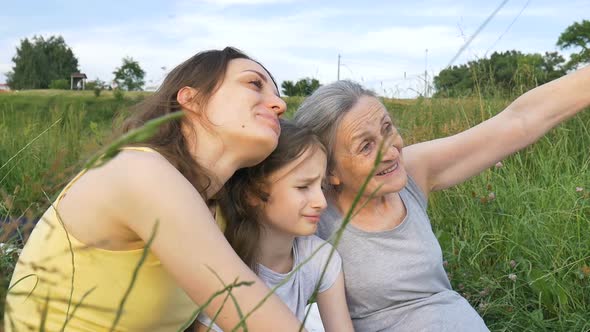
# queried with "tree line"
point(513, 72)
point(41, 63)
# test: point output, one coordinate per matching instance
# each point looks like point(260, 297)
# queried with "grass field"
point(516, 239)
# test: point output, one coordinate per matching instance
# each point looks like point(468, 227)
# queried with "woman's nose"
point(390, 150)
point(277, 105)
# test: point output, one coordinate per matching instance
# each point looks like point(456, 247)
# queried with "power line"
point(424, 76)
point(396, 78)
point(479, 29)
point(338, 77)
point(426, 73)
point(509, 26)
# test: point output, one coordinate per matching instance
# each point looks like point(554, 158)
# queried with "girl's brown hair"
point(239, 196)
point(204, 72)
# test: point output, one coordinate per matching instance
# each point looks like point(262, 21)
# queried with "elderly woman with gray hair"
point(392, 261)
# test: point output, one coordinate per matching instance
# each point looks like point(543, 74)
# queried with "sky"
point(385, 45)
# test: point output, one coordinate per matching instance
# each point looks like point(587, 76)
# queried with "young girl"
point(272, 211)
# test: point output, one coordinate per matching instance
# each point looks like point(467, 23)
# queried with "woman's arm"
point(444, 162)
point(148, 190)
point(333, 308)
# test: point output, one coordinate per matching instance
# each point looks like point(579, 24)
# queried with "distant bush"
point(97, 83)
point(59, 85)
point(118, 94)
point(97, 86)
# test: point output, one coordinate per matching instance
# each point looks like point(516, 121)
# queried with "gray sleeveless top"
point(395, 279)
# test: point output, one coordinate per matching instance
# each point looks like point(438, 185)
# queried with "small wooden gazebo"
point(78, 81)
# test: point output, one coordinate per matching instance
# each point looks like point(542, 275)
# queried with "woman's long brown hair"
point(204, 72)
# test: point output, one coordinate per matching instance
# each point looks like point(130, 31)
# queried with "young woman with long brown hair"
point(76, 269)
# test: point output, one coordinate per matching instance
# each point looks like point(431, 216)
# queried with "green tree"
point(503, 73)
point(553, 65)
point(454, 81)
point(40, 61)
point(307, 86)
point(288, 88)
point(130, 75)
point(576, 36)
point(303, 87)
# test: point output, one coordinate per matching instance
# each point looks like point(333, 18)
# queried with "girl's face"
point(243, 112)
point(358, 139)
point(295, 198)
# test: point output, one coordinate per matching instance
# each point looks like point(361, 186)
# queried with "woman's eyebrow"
point(263, 77)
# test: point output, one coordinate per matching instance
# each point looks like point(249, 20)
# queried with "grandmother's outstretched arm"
point(444, 162)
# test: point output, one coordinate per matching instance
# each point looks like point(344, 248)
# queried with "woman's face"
point(243, 112)
point(358, 138)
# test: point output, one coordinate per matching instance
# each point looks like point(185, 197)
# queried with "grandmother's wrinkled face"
point(358, 139)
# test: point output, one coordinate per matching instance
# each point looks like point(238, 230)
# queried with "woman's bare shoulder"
point(112, 194)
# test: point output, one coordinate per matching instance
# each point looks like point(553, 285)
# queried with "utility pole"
point(338, 77)
point(426, 74)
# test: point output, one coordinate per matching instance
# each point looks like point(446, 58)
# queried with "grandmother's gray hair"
point(323, 111)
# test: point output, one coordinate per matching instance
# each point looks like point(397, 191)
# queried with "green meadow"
point(515, 239)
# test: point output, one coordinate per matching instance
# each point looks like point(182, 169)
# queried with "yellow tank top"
point(43, 286)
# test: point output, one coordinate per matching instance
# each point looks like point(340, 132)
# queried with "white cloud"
point(303, 42)
point(410, 42)
point(292, 47)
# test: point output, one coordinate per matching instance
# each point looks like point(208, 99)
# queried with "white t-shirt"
point(297, 291)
